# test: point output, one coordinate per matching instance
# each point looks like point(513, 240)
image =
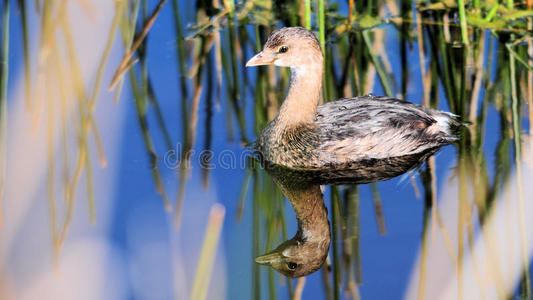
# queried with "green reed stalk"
point(462, 19)
point(463, 84)
point(352, 196)
point(230, 5)
point(492, 12)
point(335, 199)
point(256, 235)
point(159, 114)
point(322, 39)
point(378, 209)
point(518, 58)
point(128, 29)
point(369, 6)
point(142, 53)
point(307, 7)
point(445, 70)
point(140, 104)
point(379, 68)
point(146, 83)
point(180, 49)
point(4, 75)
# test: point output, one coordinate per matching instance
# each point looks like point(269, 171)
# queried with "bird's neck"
point(304, 95)
point(312, 215)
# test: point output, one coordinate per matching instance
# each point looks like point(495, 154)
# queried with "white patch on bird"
point(307, 235)
point(442, 120)
point(279, 63)
point(443, 124)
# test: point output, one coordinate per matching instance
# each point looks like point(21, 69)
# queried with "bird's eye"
point(292, 265)
point(283, 49)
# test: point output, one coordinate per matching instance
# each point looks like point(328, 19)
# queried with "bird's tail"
point(452, 124)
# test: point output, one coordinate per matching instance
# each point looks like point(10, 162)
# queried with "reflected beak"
point(269, 258)
point(261, 59)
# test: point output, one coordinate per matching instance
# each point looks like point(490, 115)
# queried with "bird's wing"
point(375, 127)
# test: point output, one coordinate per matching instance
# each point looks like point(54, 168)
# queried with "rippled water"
point(454, 228)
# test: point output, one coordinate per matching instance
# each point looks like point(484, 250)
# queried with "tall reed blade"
point(462, 20)
point(307, 14)
point(335, 199)
point(322, 39)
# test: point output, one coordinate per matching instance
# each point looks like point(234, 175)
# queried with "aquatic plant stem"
point(4, 75)
point(351, 200)
point(462, 19)
point(381, 73)
point(256, 233)
point(322, 25)
point(378, 209)
point(322, 40)
point(180, 48)
point(307, 11)
point(334, 226)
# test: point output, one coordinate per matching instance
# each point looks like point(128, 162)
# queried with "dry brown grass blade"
point(299, 289)
point(119, 74)
point(126, 63)
point(99, 144)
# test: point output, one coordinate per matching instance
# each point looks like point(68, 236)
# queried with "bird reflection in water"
point(306, 252)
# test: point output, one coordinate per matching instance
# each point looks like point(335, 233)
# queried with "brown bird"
point(357, 140)
point(337, 134)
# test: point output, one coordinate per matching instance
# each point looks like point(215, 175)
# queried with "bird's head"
point(293, 47)
point(294, 258)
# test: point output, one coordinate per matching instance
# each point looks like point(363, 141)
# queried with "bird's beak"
point(269, 258)
point(261, 59)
